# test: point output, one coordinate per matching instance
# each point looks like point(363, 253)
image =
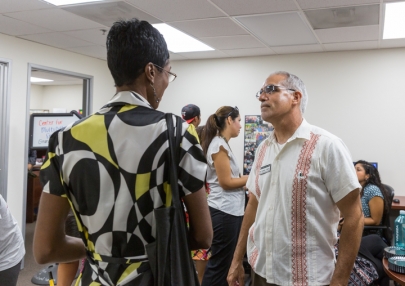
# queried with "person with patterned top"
point(111, 168)
point(373, 193)
point(302, 179)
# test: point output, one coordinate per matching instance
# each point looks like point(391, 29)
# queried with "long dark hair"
point(216, 124)
point(373, 179)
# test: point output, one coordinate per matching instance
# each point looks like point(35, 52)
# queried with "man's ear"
point(150, 72)
point(297, 96)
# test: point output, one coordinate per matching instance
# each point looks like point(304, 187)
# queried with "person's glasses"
point(233, 109)
point(172, 75)
point(270, 89)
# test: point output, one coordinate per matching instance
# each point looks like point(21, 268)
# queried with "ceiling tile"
point(55, 19)
point(351, 46)
point(7, 6)
point(284, 29)
point(348, 34)
point(316, 4)
point(203, 55)
point(13, 27)
point(94, 36)
point(392, 43)
point(57, 40)
point(243, 7)
point(232, 42)
point(300, 49)
point(176, 57)
point(178, 10)
point(210, 27)
point(249, 52)
point(91, 51)
point(58, 79)
point(108, 13)
point(344, 17)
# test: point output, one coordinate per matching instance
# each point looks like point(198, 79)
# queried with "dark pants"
point(9, 276)
point(226, 231)
point(258, 280)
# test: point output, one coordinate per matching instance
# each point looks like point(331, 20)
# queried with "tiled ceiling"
point(234, 28)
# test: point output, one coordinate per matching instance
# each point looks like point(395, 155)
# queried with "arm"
point(350, 237)
point(376, 205)
point(236, 274)
point(223, 169)
point(50, 242)
point(200, 232)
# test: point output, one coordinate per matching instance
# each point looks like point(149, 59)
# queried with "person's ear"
point(150, 72)
point(297, 96)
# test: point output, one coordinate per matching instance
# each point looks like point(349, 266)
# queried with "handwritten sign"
point(43, 125)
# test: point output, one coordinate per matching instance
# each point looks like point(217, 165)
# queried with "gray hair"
point(294, 82)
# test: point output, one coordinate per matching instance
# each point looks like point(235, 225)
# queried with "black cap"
point(190, 111)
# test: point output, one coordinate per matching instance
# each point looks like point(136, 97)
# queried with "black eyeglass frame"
point(270, 89)
point(169, 72)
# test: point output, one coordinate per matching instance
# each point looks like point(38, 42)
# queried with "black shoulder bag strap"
point(182, 271)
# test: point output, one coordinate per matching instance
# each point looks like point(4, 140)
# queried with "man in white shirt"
point(301, 181)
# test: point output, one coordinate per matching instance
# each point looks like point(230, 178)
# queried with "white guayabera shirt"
point(297, 186)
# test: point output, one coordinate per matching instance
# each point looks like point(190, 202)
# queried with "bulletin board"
point(43, 125)
point(256, 130)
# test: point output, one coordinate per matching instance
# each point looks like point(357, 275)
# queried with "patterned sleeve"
point(50, 175)
point(372, 191)
point(193, 165)
point(338, 171)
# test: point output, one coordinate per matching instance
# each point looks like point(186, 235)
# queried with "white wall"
point(22, 52)
point(69, 97)
point(36, 96)
point(357, 95)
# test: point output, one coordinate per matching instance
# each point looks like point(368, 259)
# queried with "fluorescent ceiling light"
point(37, 79)
point(178, 42)
point(394, 22)
point(69, 2)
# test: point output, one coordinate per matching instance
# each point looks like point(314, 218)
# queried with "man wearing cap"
point(191, 114)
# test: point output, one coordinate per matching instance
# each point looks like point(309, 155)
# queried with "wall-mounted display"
point(256, 130)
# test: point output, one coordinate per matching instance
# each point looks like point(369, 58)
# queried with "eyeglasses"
point(172, 76)
point(270, 89)
point(233, 109)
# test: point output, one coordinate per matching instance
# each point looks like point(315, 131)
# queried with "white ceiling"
point(234, 28)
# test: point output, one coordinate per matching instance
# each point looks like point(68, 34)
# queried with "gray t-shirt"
point(11, 241)
point(229, 201)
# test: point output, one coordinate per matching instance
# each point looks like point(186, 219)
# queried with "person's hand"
point(29, 166)
point(236, 274)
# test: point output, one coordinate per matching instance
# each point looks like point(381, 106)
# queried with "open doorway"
point(50, 91)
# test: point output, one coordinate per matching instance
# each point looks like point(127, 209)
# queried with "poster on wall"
point(256, 130)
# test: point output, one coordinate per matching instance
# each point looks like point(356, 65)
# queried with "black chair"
point(386, 226)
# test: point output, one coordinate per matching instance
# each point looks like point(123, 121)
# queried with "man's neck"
point(284, 129)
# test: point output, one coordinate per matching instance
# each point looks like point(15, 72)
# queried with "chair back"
point(387, 233)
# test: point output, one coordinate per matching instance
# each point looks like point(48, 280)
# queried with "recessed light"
point(394, 21)
point(179, 42)
point(69, 2)
point(37, 79)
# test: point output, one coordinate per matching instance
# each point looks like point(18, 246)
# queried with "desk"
point(397, 277)
point(400, 205)
point(34, 191)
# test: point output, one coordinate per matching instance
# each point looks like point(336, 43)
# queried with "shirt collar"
point(303, 131)
point(129, 97)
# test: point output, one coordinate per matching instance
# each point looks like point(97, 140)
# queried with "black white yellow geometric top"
point(111, 166)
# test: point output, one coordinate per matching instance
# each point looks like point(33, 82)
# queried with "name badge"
point(265, 169)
